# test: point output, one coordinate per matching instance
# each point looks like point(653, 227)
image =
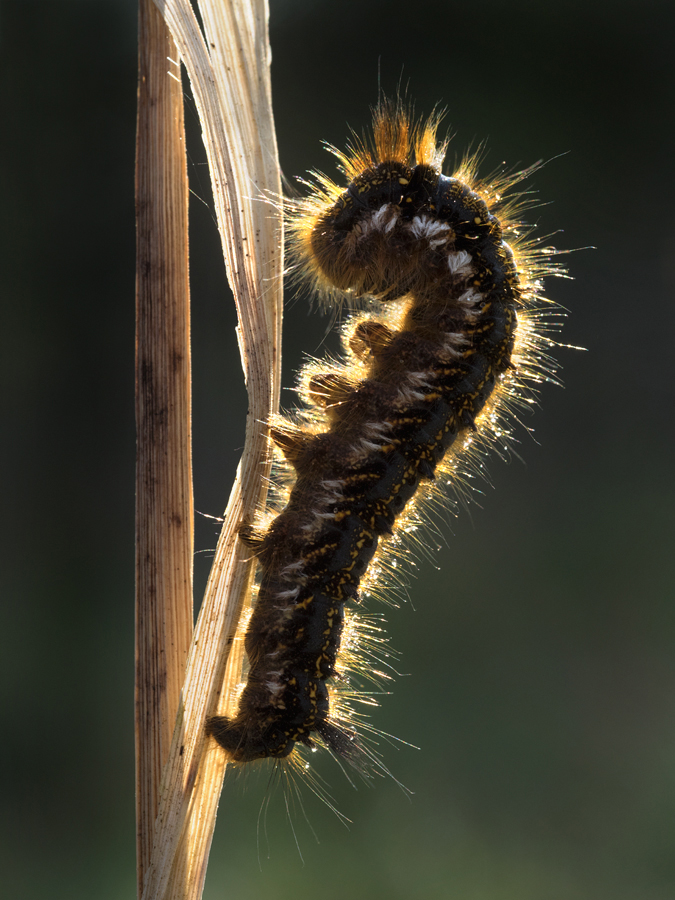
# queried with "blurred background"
point(540, 647)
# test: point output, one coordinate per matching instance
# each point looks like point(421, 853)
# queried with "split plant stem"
point(228, 69)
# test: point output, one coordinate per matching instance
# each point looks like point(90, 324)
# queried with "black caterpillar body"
point(412, 386)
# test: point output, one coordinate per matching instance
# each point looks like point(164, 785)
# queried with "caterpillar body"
point(452, 336)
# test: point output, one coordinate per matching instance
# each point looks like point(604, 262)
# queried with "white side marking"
point(426, 227)
point(459, 262)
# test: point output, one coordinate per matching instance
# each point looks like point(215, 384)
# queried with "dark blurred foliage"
point(542, 649)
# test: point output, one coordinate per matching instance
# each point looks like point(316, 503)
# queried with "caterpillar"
point(453, 333)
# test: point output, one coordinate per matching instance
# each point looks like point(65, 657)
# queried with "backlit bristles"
point(396, 137)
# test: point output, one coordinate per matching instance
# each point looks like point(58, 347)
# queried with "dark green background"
point(542, 648)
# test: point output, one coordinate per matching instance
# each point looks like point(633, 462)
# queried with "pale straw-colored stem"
point(164, 510)
point(229, 76)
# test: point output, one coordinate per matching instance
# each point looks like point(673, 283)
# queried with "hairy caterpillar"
point(452, 337)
